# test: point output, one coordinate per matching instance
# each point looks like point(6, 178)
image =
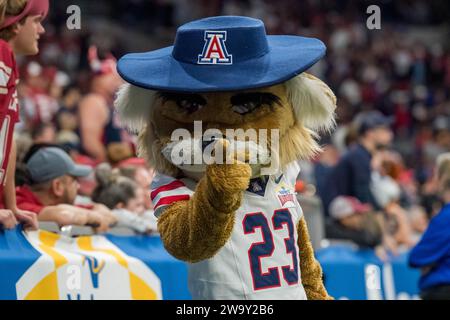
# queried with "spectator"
point(123, 196)
point(137, 170)
point(101, 136)
point(432, 253)
point(387, 193)
point(19, 33)
point(352, 220)
point(352, 175)
point(70, 98)
point(52, 189)
point(323, 166)
point(38, 105)
point(67, 118)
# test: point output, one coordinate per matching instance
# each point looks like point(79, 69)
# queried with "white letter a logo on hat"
point(214, 51)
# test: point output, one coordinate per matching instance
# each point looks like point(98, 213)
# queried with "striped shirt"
point(261, 258)
point(167, 190)
point(9, 113)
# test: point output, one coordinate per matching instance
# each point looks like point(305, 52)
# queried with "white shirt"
point(261, 258)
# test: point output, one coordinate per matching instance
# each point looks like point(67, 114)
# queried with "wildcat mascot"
point(237, 223)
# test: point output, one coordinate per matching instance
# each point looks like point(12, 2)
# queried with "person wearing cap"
point(352, 174)
point(352, 220)
point(239, 227)
point(101, 135)
point(52, 189)
point(20, 30)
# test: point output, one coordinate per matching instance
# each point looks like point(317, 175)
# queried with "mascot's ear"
point(134, 105)
point(313, 102)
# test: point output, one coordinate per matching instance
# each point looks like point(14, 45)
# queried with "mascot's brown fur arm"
point(311, 272)
point(196, 229)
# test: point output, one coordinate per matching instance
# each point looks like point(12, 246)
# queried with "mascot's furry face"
point(299, 108)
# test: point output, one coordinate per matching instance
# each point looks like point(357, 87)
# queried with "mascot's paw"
point(231, 177)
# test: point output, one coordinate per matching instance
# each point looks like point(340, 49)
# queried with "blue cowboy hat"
point(221, 54)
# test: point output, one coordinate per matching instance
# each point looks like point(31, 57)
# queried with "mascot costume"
point(240, 228)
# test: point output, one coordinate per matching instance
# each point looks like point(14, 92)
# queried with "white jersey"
point(261, 258)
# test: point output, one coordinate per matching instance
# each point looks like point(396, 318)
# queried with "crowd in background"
point(402, 71)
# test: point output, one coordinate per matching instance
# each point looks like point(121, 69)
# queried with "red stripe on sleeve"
point(167, 187)
point(171, 199)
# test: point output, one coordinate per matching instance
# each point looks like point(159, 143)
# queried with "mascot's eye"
point(187, 102)
point(245, 108)
point(190, 105)
point(244, 103)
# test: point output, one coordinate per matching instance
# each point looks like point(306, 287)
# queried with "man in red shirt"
point(19, 34)
point(52, 189)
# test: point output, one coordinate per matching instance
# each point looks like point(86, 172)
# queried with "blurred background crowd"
point(392, 87)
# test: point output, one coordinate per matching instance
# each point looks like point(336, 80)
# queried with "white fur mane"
point(313, 102)
point(134, 105)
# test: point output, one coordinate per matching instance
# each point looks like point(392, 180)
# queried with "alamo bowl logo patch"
point(285, 195)
point(215, 51)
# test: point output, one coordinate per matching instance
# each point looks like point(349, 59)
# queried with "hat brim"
point(288, 56)
point(80, 171)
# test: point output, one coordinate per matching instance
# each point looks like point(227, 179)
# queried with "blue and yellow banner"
point(46, 265)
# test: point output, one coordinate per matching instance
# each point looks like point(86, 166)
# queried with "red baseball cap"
point(33, 7)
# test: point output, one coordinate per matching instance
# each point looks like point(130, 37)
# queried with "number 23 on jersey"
point(281, 219)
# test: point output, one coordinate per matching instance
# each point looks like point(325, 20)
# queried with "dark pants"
point(436, 293)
